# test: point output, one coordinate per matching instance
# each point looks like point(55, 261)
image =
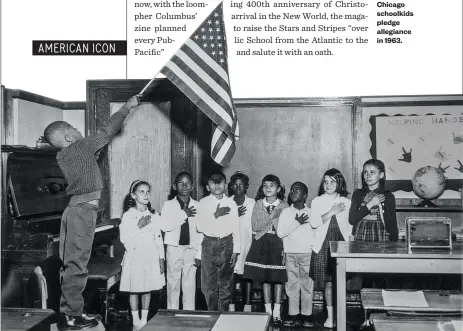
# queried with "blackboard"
point(297, 141)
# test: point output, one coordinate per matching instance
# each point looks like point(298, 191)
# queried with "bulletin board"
point(408, 135)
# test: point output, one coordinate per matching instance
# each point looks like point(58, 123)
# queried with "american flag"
point(200, 70)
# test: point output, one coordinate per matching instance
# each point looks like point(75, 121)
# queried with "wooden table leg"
point(341, 294)
point(103, 304)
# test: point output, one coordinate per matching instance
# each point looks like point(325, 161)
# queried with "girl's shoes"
point(329, 324)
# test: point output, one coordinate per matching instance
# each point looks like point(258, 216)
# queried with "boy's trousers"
point(299, 284)
point(75, 247)
point(181, 267)
point(217, 272)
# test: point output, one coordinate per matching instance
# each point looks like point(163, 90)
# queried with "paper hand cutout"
point(442, 169)
point(406, 156)
point(460, 169)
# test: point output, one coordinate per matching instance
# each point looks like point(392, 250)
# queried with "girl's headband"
point(133, 185)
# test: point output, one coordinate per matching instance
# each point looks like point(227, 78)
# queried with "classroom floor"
point(122, 322)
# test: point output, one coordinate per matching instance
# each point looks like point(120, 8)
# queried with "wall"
point(30, 119)
point(75, 117)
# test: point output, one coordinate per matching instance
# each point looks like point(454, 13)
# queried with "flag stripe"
point(219, 137)
point(222, 80)
point(205, 82)
point(223, 150)
point(237, 130)
point(199, 92)
point(193, 60)
point(196, 99)
point(229, 155)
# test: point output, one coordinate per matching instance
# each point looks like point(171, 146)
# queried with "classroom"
point(295, 139)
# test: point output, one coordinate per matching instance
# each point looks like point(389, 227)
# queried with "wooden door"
point(155, 143)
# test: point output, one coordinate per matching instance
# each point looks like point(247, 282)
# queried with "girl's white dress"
point(143, 249)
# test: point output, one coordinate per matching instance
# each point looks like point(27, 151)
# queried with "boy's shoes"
point(307, 321)
point(292, 321)
point(256, 296)
point(276, 320)
point(284, 296)
point(89, 317)
point(67, 322)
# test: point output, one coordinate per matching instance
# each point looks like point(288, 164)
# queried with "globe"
point(428, 183)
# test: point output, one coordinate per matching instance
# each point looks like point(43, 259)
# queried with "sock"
point(231, 307)
point(276, 310)
point(330, 311)
point(144, 317)
point(268, 308)
point(247, 308)
point(329, 323)
point(135, 317)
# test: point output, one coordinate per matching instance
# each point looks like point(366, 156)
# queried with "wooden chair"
point(47, 283)
point(43, 289)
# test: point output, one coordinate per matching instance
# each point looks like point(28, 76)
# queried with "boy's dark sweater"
point(358, 212)
point(78, 161)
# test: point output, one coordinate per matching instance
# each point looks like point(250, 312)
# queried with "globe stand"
point(426, 203)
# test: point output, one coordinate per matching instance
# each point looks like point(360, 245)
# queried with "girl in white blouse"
point(330, 217)
point(143, 262)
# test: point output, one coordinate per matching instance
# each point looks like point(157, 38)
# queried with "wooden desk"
point(387, 257)
point(187, 320)
point(382, 322)
point(25, 319)
point(103, 273)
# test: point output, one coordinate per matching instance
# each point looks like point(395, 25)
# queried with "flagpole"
point(149, 83)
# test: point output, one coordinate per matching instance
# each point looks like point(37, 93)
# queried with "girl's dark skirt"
point(323, 264)
point(370, 230)
point(264, 262)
